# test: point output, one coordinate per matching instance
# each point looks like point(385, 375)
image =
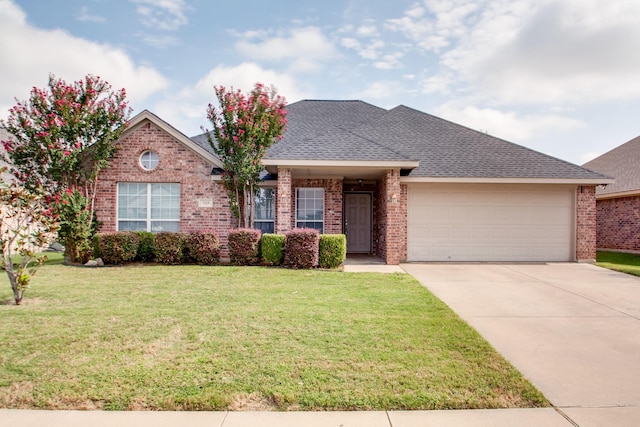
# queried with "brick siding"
point(586, 223)
point(178, 164)
point(618, 223)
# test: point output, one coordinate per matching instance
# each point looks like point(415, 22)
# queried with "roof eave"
point(386, 164)
point(507, 180)
point(617, 194)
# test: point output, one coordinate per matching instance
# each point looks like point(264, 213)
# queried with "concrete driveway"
point(572, 329)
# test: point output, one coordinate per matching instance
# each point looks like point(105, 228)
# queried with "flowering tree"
point(27, 226)
point(63, 136)
point(245, 126)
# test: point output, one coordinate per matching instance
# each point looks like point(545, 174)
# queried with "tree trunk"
point(17, 293)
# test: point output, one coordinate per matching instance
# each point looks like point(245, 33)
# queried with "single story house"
point(403, 185)
point(618, 204)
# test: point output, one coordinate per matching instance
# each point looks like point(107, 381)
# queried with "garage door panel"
point(458, 222)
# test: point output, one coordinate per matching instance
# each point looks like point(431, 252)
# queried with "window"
point(148, 207)
point(310, 208)
point(149, 160)
point(264, 219)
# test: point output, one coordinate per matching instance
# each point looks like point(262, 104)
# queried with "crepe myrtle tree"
point(244, 127)
point(27, 226)
point(63, 136)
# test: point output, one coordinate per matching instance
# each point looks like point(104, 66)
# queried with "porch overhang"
point(344, 169)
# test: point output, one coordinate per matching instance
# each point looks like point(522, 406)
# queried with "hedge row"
point(201, 247)
point(298, 248)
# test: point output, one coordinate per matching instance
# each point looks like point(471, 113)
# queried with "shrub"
point(272, 248)
point(301, 248)
point(202, 247)
point(244, 246)
point(118, 247)
point(145, 248)
point(168, 247)
point(332, 250)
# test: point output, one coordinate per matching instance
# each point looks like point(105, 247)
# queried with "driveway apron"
point(572, 329)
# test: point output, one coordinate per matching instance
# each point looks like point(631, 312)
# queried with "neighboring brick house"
point(401, 184)
point(618, 204)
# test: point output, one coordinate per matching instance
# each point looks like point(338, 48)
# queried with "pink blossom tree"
point(63, 136)
point(26, 226)
point(245, 126)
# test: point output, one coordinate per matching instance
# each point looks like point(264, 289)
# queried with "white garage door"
point(486, 222)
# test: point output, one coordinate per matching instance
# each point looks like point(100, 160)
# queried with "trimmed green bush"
point(332, 250)
point(272, 248)
point(117, 247)
point(169, 248)
point(145, 248)
point(301, 248)
point(202, 247)
point(244, 246)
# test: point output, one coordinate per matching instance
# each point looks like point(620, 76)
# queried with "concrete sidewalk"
point(547, 417)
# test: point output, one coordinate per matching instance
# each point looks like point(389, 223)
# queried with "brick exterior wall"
point(586, 223)
point(178, 164)
point(618, 223)
point(284, 197)
point(392, 219)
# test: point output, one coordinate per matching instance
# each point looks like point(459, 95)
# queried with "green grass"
point(619, 261)
point(249, 338)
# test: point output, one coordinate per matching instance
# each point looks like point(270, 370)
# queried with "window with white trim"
point(310, 208)
point(148, 206)
point(149, 160)
point(264, 214)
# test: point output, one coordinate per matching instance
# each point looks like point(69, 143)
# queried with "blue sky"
point(559, 76)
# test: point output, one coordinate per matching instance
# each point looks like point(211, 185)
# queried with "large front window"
point(148, 206)
point(310, 208)
point(264, 215)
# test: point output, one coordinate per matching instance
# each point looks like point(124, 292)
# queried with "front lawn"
point(619, 261)
point(250, 338)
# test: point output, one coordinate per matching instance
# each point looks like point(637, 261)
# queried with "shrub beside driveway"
point(215, 338)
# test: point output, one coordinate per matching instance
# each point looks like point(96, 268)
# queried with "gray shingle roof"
point(623, 164)
point(354, 130)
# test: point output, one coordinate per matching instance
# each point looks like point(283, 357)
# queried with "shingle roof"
point(623, 164)
point(354, 130)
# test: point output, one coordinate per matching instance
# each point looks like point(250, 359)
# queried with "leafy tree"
point(64, 136)
point(27, 226)
point(245, 126)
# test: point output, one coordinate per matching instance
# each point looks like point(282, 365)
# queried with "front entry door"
point(358, 222)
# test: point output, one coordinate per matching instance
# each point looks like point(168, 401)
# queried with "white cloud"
point(187, 110)
point(380, 90)
point(84, 15)
point(162, 14)
point(541, 52)
point(508, 125)
point(29, 54)
point(304, 49)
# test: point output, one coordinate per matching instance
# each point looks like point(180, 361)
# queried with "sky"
point(558, 76)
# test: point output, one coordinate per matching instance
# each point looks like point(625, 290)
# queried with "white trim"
point(475, 180)
point(324, 205)
point(148, 220)
point(630, 193)
point(383, 164)
point(173, 132)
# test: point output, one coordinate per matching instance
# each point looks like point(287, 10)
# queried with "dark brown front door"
point(358, 222)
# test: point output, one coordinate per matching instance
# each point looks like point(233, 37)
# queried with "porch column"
point(394, 219)
point(283, 202)
point(586, 223)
